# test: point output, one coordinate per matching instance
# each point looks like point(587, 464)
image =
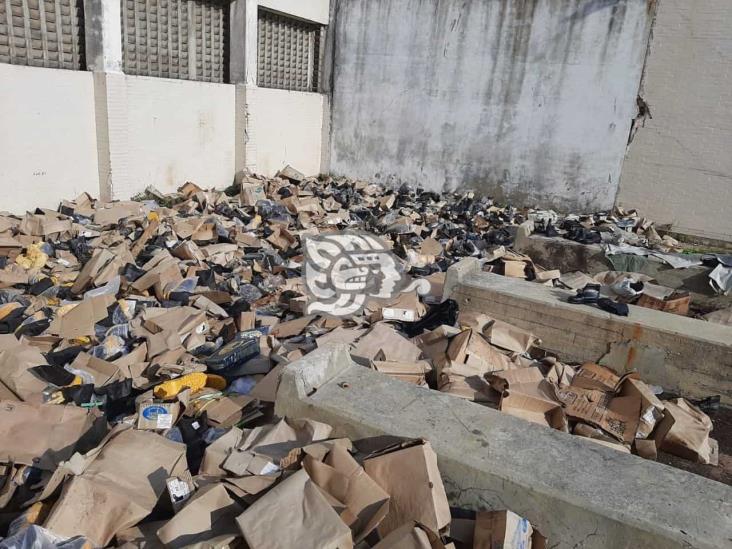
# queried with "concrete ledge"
point(681, 354)
point(576, 492)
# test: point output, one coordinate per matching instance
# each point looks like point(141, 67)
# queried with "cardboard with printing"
point(501, 529)
point(594, 376)
point(619, 416)
point(157, 416)
point(651, 406)
point(180, 490)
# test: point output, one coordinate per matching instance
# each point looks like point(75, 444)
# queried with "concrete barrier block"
point(681, 354)
point(576, 492)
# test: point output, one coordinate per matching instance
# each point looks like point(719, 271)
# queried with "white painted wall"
point(679, 168)
point(48, 148)
point(177, 131)
point(313, 10)
point(284, 127)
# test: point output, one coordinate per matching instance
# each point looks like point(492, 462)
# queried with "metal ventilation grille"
point(42, 33)
point(182, 39)
point(288, 53)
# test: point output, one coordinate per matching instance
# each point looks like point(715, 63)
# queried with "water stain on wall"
point(522, 99)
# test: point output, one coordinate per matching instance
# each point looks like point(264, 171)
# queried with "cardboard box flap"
point(365, 502)
point(411, 477)
point(208, 514)
point(116, 490)
point(294, 514)
point(41, 435)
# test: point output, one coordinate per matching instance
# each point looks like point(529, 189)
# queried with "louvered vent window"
point(182, 39)
point(289, 53)
point(42, 33)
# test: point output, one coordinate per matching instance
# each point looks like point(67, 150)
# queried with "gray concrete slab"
point(696, 355)
point(574, 491)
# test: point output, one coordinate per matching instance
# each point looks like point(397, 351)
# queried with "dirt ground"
point(722, 433)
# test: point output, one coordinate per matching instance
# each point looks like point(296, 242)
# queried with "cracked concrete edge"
point(301, 378)
point(457, 273)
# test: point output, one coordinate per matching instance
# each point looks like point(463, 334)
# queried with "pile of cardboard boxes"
point(141, 344)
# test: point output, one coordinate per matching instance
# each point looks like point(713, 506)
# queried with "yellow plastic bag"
point(195, 382)
point(34, 258)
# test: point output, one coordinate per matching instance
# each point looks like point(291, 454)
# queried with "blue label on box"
point(152, 412)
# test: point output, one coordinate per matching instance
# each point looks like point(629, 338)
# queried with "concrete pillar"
point(243, 42)
point(243, 73)
point(103, 36)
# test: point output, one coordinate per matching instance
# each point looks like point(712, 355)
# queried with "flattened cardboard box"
point(361, 503)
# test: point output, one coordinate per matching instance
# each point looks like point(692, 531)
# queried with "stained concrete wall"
point(679, 168)
point(284, 127)
point(48, 147)
point(529, 100)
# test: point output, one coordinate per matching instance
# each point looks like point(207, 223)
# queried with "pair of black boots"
point(590, 295)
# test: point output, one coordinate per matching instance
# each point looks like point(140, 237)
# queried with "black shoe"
point(709, 404)
point(620, 309)
point(551, 230)
point(589, 294)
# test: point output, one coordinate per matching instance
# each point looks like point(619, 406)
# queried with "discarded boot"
point(620, 309)
point(589, 294)
point(708, 404)
point(444, 313)
point(551, 230)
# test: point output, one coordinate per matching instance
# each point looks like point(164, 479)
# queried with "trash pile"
point(281, 485)
point(141, 344)
point(629, 242)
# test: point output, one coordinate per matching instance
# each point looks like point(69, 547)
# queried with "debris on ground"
point(141, 344)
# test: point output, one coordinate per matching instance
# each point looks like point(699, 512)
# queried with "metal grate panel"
point(182, 39)
point(42, 33)
point(288, 53)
